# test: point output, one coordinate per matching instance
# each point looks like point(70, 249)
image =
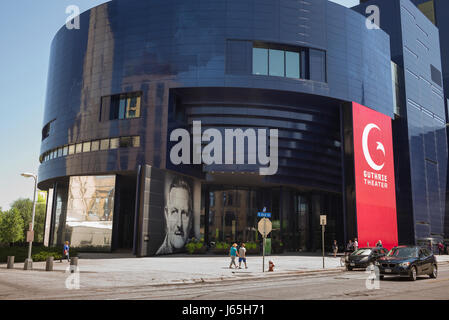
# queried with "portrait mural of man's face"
point(178, 214)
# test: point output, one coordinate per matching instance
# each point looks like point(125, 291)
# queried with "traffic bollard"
point(73, 264)
point(49, 264)
point(28, 265)
point(10, 262)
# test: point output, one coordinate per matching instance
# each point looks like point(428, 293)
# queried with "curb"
point(286, 274)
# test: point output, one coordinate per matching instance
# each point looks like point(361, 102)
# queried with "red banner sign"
point(374, 178)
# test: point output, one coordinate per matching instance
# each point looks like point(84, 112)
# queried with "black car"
point(408, 261)
point(363, 257)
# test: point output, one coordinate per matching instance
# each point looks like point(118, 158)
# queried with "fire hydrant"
point(270, 266)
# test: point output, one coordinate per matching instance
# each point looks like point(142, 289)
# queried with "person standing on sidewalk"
point(242, 256)
point(65, 252)
point(233, 253)
point(440, 248)
point(335, 248)
point(356, 244)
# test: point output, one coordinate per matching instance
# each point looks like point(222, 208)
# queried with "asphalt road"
point(347, 285)
point(337, 286)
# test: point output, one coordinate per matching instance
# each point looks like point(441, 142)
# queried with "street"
point(333, 286)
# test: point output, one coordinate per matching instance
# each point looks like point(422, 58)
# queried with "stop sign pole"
point(264, 226)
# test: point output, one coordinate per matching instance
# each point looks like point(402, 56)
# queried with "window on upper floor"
point(428, 9)
point(121, 106)
point(46, 130)
point(289, 61)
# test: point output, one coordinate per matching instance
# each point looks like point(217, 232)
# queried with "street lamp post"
point(29, 263)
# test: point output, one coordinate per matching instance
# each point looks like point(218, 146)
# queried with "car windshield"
point(362, 252)
point(403, 253)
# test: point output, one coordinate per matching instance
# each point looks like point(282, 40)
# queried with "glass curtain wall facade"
point(232, 216)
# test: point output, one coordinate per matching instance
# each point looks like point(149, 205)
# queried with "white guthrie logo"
point(366, 153)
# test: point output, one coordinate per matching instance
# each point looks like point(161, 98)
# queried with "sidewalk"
point(109, 270)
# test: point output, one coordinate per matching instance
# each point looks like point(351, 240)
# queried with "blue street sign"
point(264, 214)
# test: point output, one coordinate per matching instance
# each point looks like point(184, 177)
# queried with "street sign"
point(30, 236)
point(323, 220)
point(264, 214)
point(264, 226)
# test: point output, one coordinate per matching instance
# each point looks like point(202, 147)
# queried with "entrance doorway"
point(124, 216)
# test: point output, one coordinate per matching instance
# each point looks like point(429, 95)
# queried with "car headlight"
point(404, 264)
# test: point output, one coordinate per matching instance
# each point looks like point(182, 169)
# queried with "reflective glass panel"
point(59, 152)
point(65, 151)
point(90, 210)
point(126, 142)
point(79, 148)
point(277, 63)
point(122, 108)
point(104, 144)
point(136, 141)
point(72, 149)
point(292, 64)
point(86, 146)
point(260, 61)
point(114, 143)
point(95, 145)
point(133, 107)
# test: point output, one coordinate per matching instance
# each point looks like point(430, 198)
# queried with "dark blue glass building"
point(136, 71)
point(420, 125)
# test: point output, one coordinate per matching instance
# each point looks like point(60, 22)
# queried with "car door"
point(427, 265)
point(421, 264)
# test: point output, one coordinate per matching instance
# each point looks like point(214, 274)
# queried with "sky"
point(27, 28)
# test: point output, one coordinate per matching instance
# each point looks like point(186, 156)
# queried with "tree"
point(11, 226)
point(25, 208)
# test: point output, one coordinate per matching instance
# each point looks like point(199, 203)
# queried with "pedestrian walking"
point(233, 253)
point(349, 246)
point(356, 244)
point(242, 256)
point(440, 248)
point(379, 244)
point(335, 248)
point(65, 252)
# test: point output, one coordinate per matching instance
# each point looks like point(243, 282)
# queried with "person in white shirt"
point(242, 256)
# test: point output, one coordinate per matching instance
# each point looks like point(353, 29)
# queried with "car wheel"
point(381, 277)
point(349, 268)
point(434, 273)
point(413, 273)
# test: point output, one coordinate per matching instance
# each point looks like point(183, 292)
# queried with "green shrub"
point(222, 245)
point(38, 253)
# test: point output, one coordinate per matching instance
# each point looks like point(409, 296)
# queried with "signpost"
point(264, 226)
point(323, 223)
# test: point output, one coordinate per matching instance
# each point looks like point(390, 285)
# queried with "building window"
point(428, 9)
point(91, 146)
point(115, 143)
point(79, 148)
point(104, 144)
point(276, 63)
point(260, 61)
point(289, 61)
point(121, 106)
point(292, 66)
point(46, 130)
point(95, 146)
